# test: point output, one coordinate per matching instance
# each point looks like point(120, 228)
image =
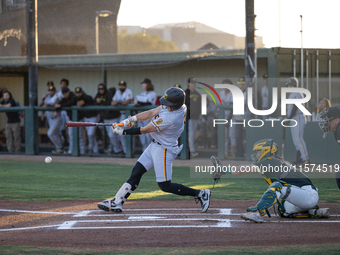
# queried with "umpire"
point(330, 121)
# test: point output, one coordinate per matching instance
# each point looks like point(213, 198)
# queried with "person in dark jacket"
point(12, 128)
point(68, 99)
point(193, 103)
point(87, 116)
point(104, 97)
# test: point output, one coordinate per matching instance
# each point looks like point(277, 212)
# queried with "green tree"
point(128, 43)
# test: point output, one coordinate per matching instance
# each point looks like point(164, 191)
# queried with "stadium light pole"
point(103, 13)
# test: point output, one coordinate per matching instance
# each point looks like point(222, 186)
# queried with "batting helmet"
point(265, 148)
point(173, 97)
point(292, 81)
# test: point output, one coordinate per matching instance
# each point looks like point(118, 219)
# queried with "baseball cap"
point(265, 75)
point(50, 83)
point(146, 80)
point(241, 80)
point(64, 90)
point(78, 90)
point(51, 88)
point(191, 80)
point(122, 83)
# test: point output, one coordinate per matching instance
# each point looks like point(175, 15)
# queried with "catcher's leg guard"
point(269, 198)
point(123, 193)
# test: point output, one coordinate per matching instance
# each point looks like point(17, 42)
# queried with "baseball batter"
point(330, 121)
point(165, 127)
point(301, 120)
point(292, 190)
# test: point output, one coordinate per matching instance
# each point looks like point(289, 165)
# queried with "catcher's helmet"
point(173, 97)
point(265, 148)
point(326, 116)
point(292, 81)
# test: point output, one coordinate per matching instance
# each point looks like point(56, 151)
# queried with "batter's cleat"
point(252, 217)
point(109, 204)
point(204, 198)
point(322, 213)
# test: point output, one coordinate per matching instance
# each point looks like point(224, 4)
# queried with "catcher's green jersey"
point(273, 169)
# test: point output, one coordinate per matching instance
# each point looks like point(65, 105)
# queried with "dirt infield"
point(155, 223)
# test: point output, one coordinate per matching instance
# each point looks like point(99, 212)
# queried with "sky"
point(277, 21)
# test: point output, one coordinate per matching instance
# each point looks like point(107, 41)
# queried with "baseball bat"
point(283, 142)
point(88, 124)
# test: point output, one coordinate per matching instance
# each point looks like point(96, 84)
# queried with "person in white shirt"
point(230, 135)
point(264, 95)
point(123, 97)
point(53, 119)
point(147, 97)
point(300, 119)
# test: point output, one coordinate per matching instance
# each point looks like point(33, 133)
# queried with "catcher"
point(330, 121)
point(290, 189)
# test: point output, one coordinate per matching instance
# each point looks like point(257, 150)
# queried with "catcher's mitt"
point(218, 168)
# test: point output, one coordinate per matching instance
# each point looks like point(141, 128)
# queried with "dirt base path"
point(155, 223)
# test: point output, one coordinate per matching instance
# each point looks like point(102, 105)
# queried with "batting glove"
point(127, 121)
point(116, 129)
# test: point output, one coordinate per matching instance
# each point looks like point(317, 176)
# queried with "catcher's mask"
point(264, 149)
point(326, 116)
point(174, 98)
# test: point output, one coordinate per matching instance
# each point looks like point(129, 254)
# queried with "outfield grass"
point(282, 250)
point(38, 181)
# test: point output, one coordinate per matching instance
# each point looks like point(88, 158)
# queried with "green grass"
point(38, 181)
point(282, 250)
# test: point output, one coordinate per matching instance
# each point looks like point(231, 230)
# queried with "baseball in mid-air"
point(48, 160)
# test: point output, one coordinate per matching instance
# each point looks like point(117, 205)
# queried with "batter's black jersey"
point(273, 169)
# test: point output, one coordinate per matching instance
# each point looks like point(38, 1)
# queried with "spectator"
point(12, 128)
point(87, 116)
point(324, 104)
point(2, 90)
point(193, 103)
point(239, 128)
point(264, 95)
point(64, 116)
point(230, 135)
point(300, 119)
point(53, 119)
point(147, 97)
point(68, 99)
point(47, 93)
point(123, 97)
point(104, 97)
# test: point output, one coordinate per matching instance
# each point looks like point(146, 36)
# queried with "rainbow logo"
point(209, 93)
